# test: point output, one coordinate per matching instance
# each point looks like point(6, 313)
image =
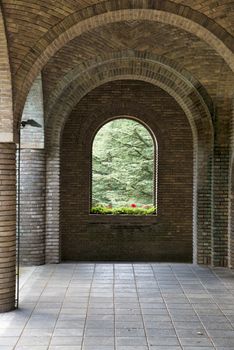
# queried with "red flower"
point(133, 205)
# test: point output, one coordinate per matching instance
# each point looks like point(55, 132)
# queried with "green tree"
point(123, 165)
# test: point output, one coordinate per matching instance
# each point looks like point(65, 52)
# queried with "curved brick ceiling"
point(184, 48)
point(32, 25)
point(27, 21)
point(220, 11)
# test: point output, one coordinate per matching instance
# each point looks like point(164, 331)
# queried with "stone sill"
point(123, 218)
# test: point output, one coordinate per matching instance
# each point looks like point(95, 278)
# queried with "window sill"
point(122, 218)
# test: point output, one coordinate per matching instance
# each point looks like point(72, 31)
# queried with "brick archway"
point(187, 91)
point(87, 237)
point(163, 63)
point(194, 106)
point(110, 12)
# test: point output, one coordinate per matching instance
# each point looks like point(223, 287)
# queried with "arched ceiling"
point(183, 89)
point(27, 21)
point(185, 49)
point(43, 34)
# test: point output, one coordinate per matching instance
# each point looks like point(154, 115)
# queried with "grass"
point(123, 211)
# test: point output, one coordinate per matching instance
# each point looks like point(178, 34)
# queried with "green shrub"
point(123, 211)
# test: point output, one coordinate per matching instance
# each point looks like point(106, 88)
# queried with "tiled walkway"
point(122, 307)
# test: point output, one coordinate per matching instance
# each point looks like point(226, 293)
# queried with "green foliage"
point(123, 210)
point(123, 165)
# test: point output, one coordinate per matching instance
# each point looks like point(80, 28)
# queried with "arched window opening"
point(124, 169)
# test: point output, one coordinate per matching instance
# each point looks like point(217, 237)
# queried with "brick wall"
point(231, 228)
point(52, 206)
point(231, 193)
point(33, 137)
point(7, 226)
point(32, 207)
point(165, 237)
point(32, 180)
point(138, 68)
point(220, 206)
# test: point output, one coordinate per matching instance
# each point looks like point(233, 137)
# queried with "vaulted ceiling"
point(186, 49)
point(42, 35)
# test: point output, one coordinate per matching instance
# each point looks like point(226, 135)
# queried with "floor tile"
point(127, 306)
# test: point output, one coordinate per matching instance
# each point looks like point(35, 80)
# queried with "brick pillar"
point(7, 226)
point(53, 206)
point(231, 245)
point(231, 193)
point(204, 208)
point(220, 206)
point(32, 207)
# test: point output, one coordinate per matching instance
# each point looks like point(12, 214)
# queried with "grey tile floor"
point(122, 307)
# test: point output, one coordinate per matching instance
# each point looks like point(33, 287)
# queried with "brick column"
point(231, 193)
point(53, 206)
point(231, 244)
point(7, 226)
point(204, 210)
point(32, 207)
point(220, 206)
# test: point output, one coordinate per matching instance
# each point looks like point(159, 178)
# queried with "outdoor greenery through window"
point(123, 169)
